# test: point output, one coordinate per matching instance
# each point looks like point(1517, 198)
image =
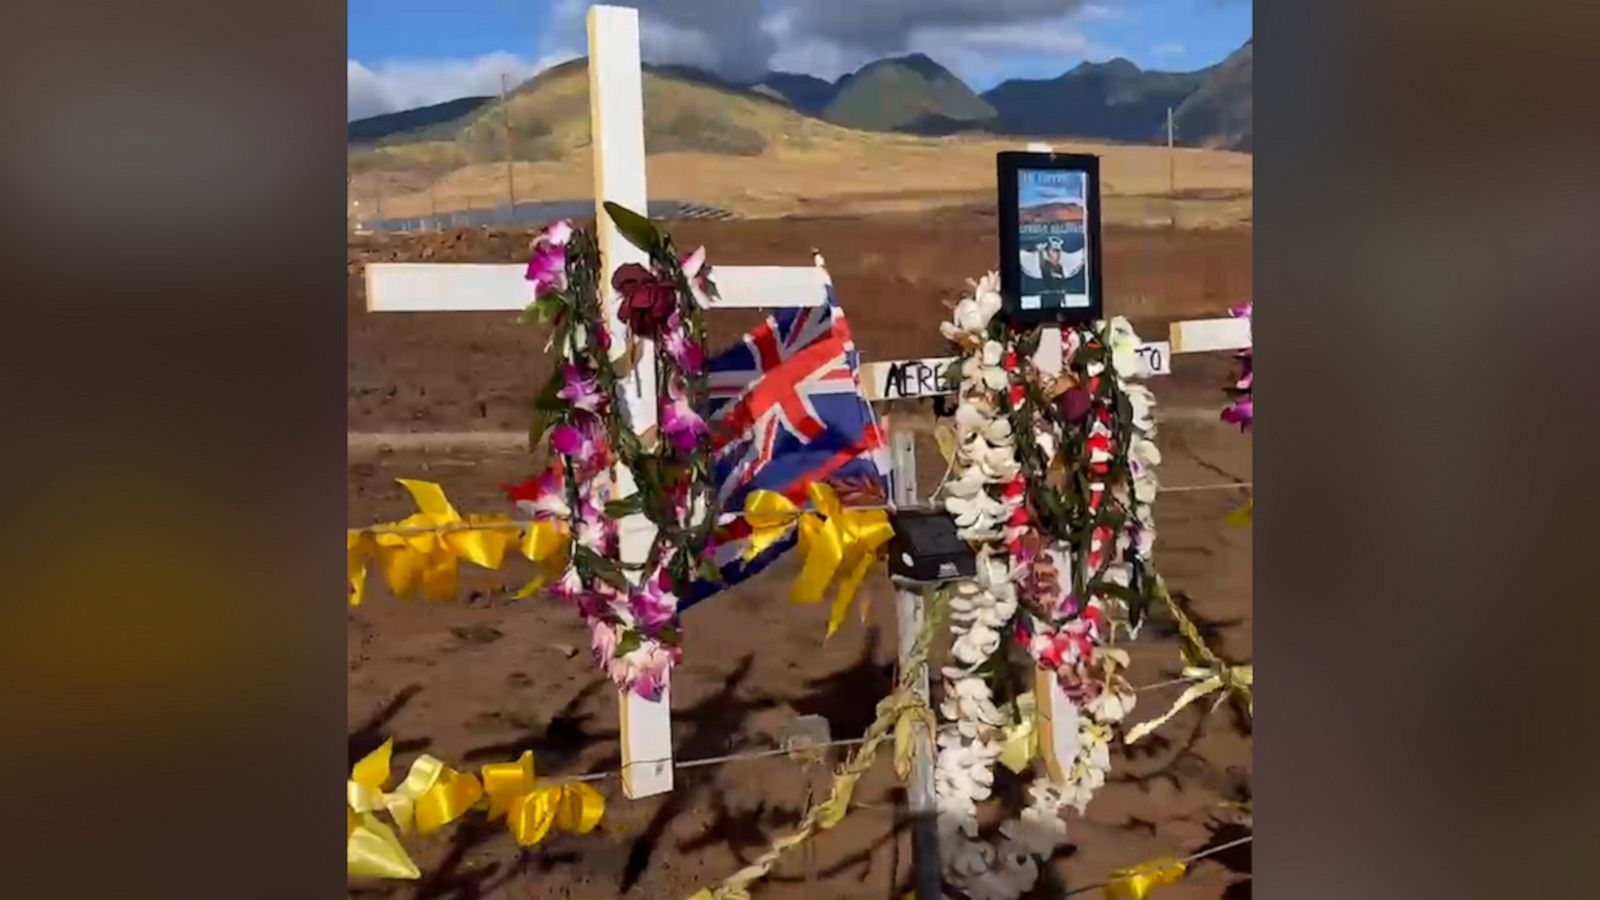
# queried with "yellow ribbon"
point(834, 541)
point(1137, 882)
point(431, 796)
point(548, 546)
point(429, 561)
point(770, 515)
point(1243, 515)
point(359, 546)
point(531, 809)
point(1204, 681)
point(372, 850)
point(1020, 740)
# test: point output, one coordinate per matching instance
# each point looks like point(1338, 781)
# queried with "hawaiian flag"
point(786, 409)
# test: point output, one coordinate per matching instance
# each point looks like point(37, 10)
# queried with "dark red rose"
point(1073, 404)
point(647, 299)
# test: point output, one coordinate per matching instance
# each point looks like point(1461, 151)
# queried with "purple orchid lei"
point(633, 621)
point(1242, 411)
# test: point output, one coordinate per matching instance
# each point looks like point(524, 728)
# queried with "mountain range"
point(1114, 100)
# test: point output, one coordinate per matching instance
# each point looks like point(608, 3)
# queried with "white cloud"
point(984, 55)
point(391, 86)
point(808, 55)
point(1099, 12)
point(1169, 50)
point(1032, 37)
point(977, 54)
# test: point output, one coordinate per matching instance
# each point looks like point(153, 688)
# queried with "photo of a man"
point(1052, 244)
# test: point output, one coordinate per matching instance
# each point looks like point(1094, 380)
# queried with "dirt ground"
point(484, 678)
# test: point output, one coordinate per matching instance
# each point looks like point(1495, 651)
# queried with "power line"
point(1209, 851)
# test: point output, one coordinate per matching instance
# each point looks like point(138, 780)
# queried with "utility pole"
point(1172, 176)
point(511, 185)
point(1172, 205)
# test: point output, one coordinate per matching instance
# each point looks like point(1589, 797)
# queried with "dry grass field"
point(762, 159)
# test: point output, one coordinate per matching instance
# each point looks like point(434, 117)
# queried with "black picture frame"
point(1028, 290)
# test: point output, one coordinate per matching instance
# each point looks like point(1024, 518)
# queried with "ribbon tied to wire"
point(422, 553)
point(1203, 680)
point(532, 809)
point(431, 796)
point(1137, 882)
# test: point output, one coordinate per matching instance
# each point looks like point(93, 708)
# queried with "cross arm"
point(492, 287)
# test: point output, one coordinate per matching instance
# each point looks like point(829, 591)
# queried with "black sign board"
point(1050, 236)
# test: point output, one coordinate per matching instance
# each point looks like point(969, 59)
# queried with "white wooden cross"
point(925, 377)
point(617, 115)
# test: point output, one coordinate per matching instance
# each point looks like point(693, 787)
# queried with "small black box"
point(925, 547)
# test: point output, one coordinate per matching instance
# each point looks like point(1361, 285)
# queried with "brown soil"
point(893, 273)
point(481, 679)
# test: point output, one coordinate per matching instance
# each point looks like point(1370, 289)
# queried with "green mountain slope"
point(908, 93)
point(1115, 100)
point(414, 123)
point(807, 93)
point(1220, 113)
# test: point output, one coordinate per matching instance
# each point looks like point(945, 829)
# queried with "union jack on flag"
point(786, 410)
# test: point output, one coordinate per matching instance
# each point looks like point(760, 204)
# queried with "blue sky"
point(404, 53)
point(1032, 191)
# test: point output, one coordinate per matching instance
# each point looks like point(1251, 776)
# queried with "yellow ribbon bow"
point(531, 809)
point(431, 796)
point(372, 850)
point(1236, 679)
point(428, 561)
point(548, 546)
point(834, 541)
point(1020, 740)
point(1137, 882)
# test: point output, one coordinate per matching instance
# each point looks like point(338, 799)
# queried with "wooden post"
point(1059, 745)
point(616, 110)
point(505, 109)
point(1172, 172)
point(910, 613)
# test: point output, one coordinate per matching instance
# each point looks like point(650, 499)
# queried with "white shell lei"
point(982, 496)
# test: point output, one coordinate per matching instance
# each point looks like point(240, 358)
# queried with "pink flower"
point(570, 442)
point(1241, 413)
point(682, 425)
point(652, 604)
point(651, 670)
point(580, 389)
point(698, 275)
point(595, 530)
point(686, 353)
point(603, 641)
point(547, 259)
point(592, 605)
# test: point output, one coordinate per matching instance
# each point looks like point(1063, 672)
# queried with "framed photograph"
point(1050, 236)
